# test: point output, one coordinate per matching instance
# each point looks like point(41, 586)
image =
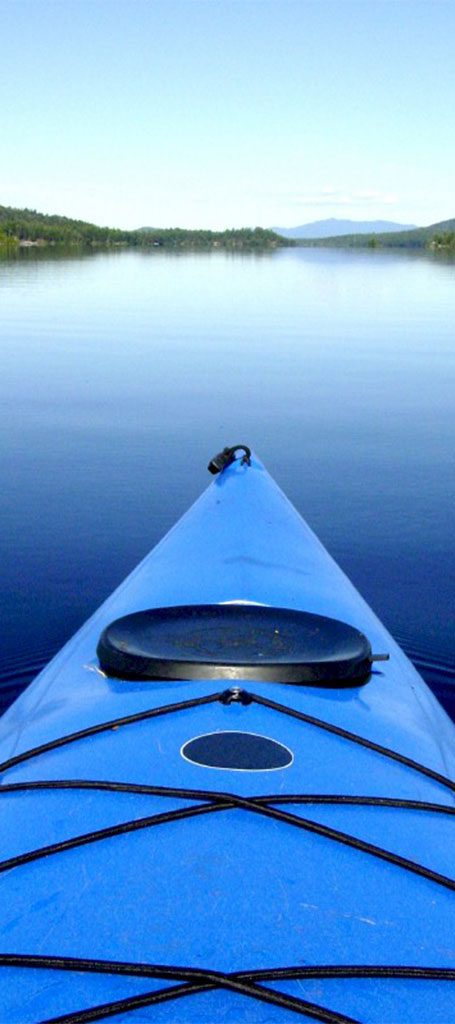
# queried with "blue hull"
point(320, 888)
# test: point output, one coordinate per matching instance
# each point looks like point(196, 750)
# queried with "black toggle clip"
point(236, 696)
point(227, 456)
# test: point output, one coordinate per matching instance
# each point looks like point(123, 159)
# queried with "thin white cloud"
point(330, 196)
point(364, 198)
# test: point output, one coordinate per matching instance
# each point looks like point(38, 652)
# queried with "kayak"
point(230, 797)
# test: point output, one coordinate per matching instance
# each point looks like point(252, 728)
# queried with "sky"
point(228, 113)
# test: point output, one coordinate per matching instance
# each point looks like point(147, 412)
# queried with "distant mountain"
point(434, 236)
point(332, 227)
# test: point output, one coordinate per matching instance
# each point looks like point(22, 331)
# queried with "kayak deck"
point(137, 877)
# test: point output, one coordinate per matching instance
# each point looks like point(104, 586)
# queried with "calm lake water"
point(122, 373)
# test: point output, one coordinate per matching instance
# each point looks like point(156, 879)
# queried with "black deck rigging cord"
point(132, 969)
point(242, 982)
point(279, 798)
point(114, 723)
point(219, 802)
point(212, 980)
point(198, 980)
point(227, 697)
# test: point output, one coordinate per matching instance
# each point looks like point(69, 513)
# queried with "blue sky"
point(220, 113)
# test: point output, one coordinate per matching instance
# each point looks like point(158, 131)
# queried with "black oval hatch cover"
point(239, 751)
point(235, 642)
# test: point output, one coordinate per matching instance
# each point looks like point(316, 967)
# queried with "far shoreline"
point(29, 229)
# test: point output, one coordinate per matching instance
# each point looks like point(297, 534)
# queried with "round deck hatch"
point(235, 642)
point(239, 751)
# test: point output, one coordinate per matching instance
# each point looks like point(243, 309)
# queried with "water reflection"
point(121, 372)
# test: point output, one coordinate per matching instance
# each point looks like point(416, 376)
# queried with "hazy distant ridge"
point(332, 227)
point(434, 236)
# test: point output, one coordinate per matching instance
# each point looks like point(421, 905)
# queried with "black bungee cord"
point(246, 983)
point(197, 980)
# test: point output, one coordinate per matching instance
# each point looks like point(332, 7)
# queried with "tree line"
point(444, 240)
point(21, 226)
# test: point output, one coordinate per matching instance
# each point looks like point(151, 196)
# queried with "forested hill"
point(22, 227)
point(435, 236)
point(27, 227)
